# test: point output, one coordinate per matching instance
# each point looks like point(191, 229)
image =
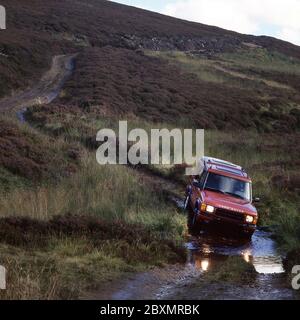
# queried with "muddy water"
point(208, 249)
point(211, 248)
point(205, 251)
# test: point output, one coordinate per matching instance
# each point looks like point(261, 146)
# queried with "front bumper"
point(211, 218)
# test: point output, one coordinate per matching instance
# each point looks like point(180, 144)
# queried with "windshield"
point(234, 187)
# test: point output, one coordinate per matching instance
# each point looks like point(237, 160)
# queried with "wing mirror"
point(196, 183)
point(256, 199)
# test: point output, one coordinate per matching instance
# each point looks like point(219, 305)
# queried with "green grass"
point(68, 267)
point(10, 181)
point(269, 76)
point(202, 67)
point(109, 192)
point(263, 59)
point(232, 69)
point(63, 267)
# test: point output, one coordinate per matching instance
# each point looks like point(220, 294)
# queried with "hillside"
point(37, 30)
point(121, 80)
point(69, 68)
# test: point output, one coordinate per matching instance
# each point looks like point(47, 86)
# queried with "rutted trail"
point(45, 91)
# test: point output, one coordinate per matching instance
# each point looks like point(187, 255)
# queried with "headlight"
point(207, 208)
point(249, 219)
point(210, 209)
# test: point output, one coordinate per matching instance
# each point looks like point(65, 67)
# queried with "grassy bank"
point(109, 192)
point(29, 157)
point(109, 223)
point(60, 237)
point(67, 255)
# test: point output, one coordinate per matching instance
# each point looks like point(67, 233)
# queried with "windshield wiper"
point(235, 195)
point(216, 190)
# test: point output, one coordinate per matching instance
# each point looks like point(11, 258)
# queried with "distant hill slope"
point(39, 29)
point(227, 93)
point(104, 22)
point(181, 89)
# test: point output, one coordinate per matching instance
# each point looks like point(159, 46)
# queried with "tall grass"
point(109, 192)
point(66, 267)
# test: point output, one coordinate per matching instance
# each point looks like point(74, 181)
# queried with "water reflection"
point(206, 251)
point(268, 264)
point(247, 255)
point(205, 265)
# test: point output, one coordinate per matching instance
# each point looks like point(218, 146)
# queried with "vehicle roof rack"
point(220, 164)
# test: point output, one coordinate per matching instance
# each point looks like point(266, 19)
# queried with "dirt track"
point(45, 91)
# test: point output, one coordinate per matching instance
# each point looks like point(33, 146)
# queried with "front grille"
point(230, 214)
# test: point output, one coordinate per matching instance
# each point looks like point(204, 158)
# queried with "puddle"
point(207, 250)
point(204, 252)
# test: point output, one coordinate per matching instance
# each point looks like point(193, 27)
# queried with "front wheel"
point(247, 235)
point(193, 225)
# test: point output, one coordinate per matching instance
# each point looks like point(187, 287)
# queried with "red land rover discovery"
point(221, 193)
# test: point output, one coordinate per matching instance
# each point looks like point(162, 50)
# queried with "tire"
point(247, 236)
point(193, 226)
